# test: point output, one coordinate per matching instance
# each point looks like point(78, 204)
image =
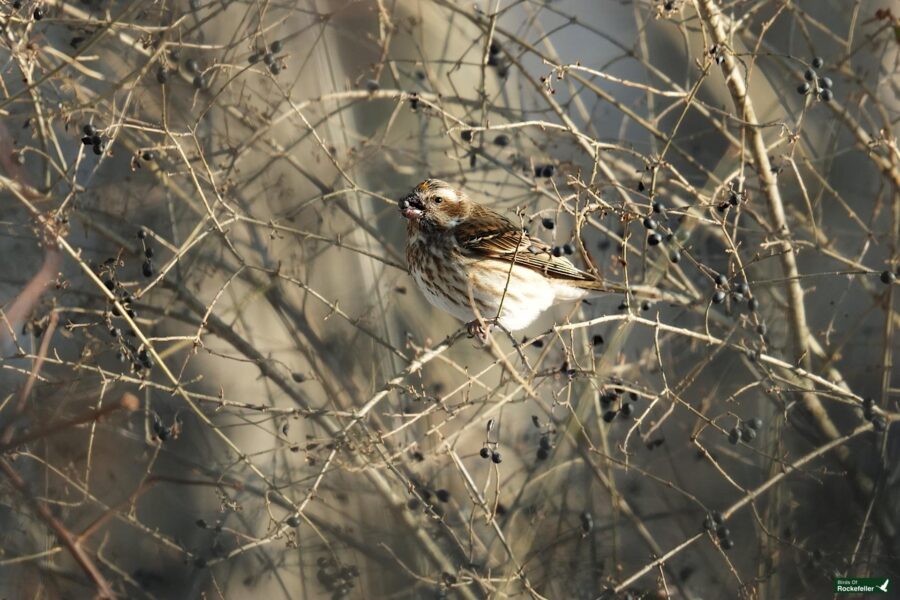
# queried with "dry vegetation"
point(218, 380)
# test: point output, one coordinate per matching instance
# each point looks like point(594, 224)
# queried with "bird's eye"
point(438, 200)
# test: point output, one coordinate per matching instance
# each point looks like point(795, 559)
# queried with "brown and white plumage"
point(465, 256)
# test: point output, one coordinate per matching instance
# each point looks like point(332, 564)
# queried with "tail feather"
point(646, 292)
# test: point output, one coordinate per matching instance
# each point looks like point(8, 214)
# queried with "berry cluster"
point(93, 138)
point(821, 86)
point(745, 431)
point(716, 523)
point(336, 579)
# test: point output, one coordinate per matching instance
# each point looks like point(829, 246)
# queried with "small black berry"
point(568, 249)
point(803, 89)
point(39, 13)
point(293, 521)
point(657, 206)
point(501, 140)
point(496, 458)
point(466, 135)
point(748, 434)
point(597, 340)
point(89, 130)
point(269, 58)
point(484, 453)
point(826, 95)
point(148, 155)
point(817, 62)
point(548, 223)
point(755, 423)
point(147, 268)
point(718, 297)
point(192, 66)
point(721, 280)
point(609, 415)
point(276, 46)
point(142, 234)
point(442, 495)
point(547, 171)
point(887, 277)
point(809, 75)
point(825, 83)
point(650, 223)
point(654, 239)
point(542, 454)
point(734, 436)
point(556, 251)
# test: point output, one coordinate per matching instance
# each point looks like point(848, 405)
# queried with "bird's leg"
point(480, 329)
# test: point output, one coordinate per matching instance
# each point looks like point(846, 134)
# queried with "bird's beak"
point(411, 207)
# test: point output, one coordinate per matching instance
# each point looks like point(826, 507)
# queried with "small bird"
point(481, 268)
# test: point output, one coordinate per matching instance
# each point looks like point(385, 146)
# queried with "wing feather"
point(487, 234)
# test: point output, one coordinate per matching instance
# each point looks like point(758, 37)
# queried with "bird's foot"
point(480, 330)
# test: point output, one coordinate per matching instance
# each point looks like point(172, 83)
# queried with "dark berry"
point(676, 256)
point(466, 135)
point(825, 83)
point(718, 297)
point(879, 424)
point(147, 268)
point(597, 340)
point(496, 458)
point(727, 544)
point(162, 75)
point(501, 140)
point(548, 223)
point(609, 415)
point(485, 453)
point(148, 252)
point(275, 69)
point(547, 171)
point(887, 277)
point(748, 434)
point(803, 89)
point(734, 435)
point(755, 423)
point(98, 149)
point(721, 280)
point(645, 305)
point(817, 63)
point(39, 13)
point(372, 85)
point(495, 47)
point(650, 223)
point(148, 155)
point(89, 130)
point(826, 95)
point(545, 442)
point(293, 521)
point(200, 82)
point(568, 249)
point(442, 495)
point(657, 206)
point(96, 139)
point(740, 288)
point(557, 251)
point(626, 411)
point(542, 454)
point(192, 66)
point(253, 58)
point(717, 517)
point(269, 58)
point(87, 141)
point(276, 46)
point(809, 75)
point(142, 234)
point(723, 532)
point(654, 239)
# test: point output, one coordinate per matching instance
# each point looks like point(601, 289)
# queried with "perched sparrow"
point(480, 267)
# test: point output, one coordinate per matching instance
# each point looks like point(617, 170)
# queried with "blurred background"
point(217, 378)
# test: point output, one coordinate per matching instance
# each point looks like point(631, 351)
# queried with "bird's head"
point(435, 204)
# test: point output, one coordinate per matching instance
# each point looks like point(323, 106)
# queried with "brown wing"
point(488, 234)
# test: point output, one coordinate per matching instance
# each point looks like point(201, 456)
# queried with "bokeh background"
point(218, 380)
